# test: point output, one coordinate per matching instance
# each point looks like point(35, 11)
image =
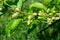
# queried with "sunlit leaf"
point(11, 26)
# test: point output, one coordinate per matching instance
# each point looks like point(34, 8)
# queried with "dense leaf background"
point(29, 19)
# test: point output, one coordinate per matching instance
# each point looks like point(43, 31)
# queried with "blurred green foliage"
point(24, 19)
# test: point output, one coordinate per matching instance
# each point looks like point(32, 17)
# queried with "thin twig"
point(49, 26)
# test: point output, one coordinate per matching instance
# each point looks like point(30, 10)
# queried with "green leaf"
point(11, 26)
point(37, 5)
point(58, 2)
point(5, 2)
point(46, 2)
point(19, 4)
point(53, 9)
